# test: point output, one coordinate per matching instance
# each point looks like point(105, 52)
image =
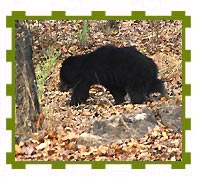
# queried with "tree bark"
point(27, 105)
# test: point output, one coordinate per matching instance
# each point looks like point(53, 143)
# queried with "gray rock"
point(171, 117)
point(118, 128)
point(89, 139)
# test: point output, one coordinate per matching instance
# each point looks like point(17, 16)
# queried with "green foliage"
point(43, 69)
point(83, 34)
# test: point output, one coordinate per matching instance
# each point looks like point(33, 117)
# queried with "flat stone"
point(171, 117)
point(118, 128)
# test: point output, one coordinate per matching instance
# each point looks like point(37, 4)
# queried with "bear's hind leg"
point(157, 86)
point(137, 96)
point(118, 94)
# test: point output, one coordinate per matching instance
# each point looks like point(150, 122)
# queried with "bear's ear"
point(68, 61)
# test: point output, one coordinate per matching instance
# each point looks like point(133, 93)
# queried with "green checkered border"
point(98, 15)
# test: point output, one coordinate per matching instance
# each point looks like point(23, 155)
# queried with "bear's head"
point(69, 73)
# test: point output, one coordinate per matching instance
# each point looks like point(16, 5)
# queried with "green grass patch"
point(83, 34)
point(43, 69)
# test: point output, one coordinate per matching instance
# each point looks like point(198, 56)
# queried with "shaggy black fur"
point(120, 70)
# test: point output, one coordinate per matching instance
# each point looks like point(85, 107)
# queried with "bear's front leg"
point(80, 94)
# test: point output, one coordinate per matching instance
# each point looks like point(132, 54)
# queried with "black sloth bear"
point(120, 70)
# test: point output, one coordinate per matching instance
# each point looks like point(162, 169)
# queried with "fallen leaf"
point(164, 134)
point(18, 149)
point(41, 146)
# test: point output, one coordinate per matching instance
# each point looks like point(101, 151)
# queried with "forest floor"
point(62, 125)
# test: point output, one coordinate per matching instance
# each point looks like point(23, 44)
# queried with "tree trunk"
point(27, 105)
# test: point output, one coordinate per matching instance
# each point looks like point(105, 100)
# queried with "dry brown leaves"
point(160, 144)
